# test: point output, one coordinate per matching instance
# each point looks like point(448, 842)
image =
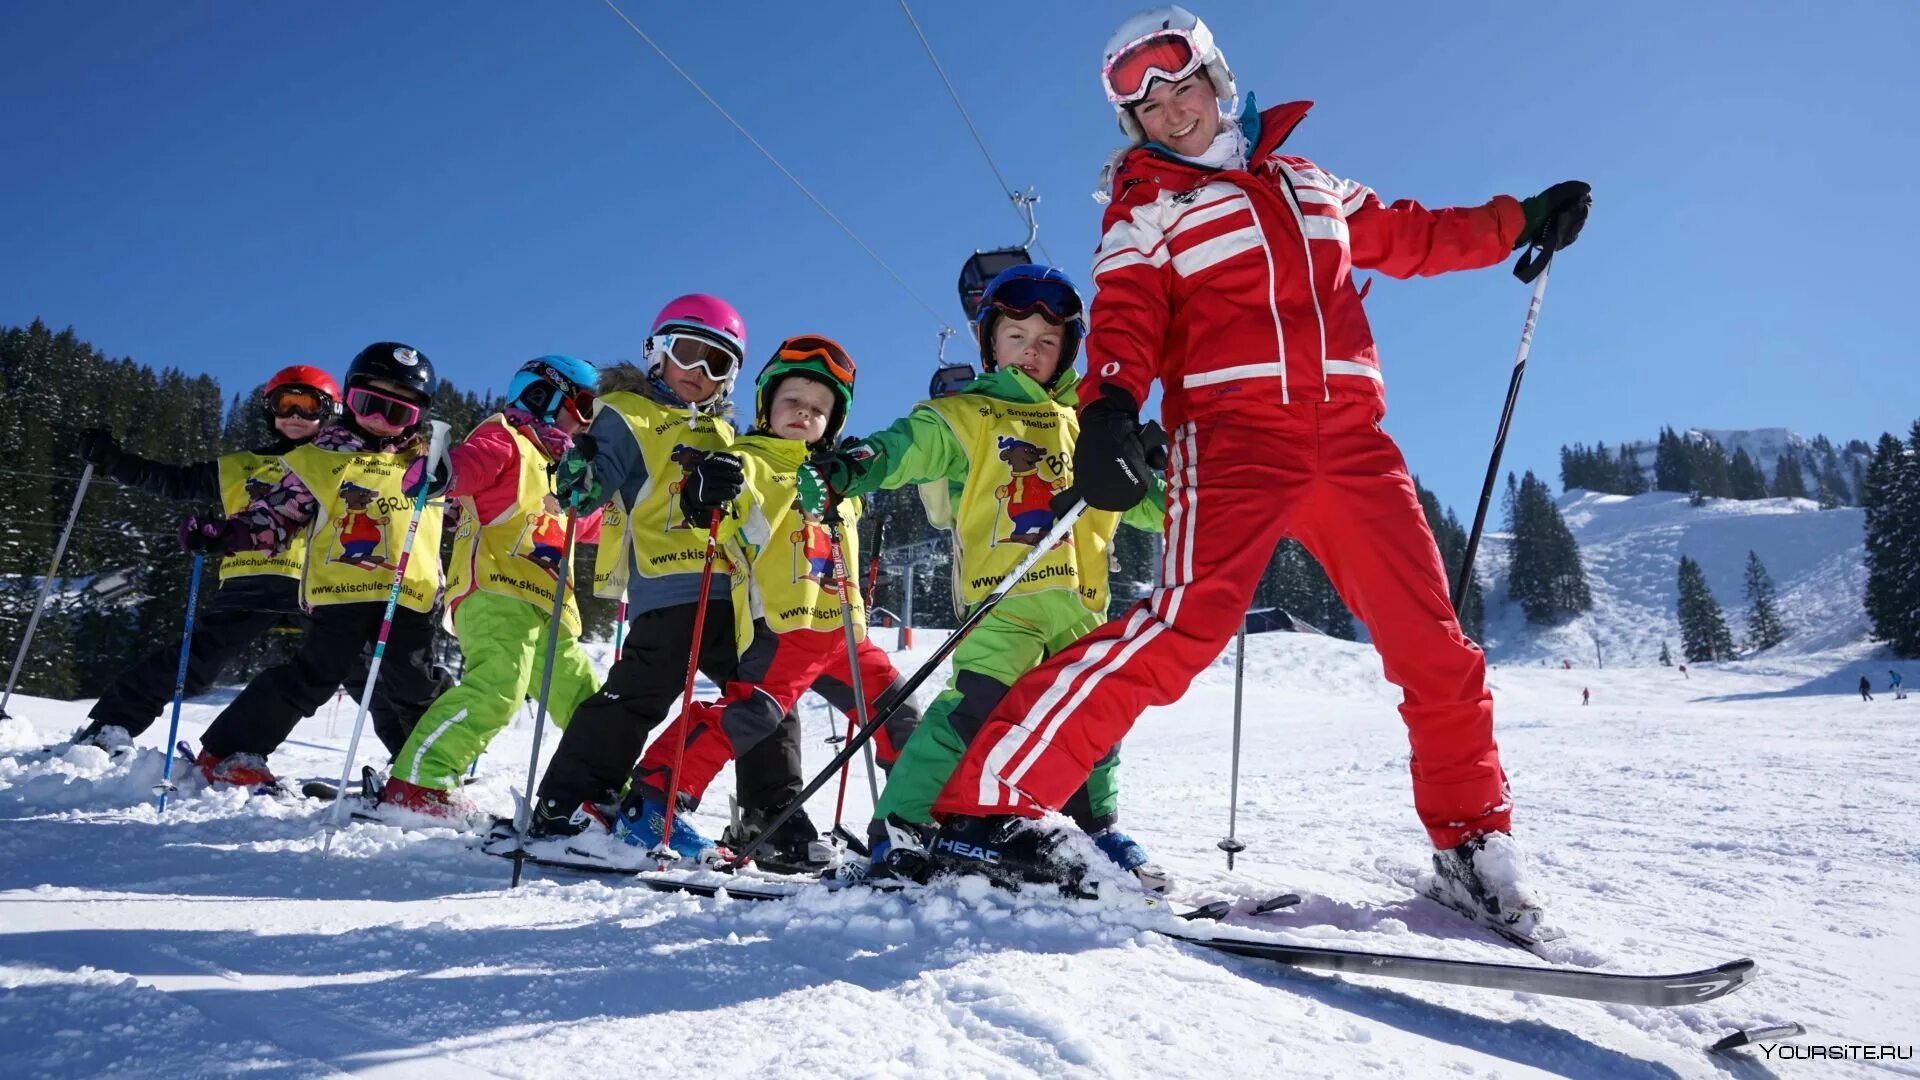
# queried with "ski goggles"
point(302, 401)
point(1022, 297)
point(577, 399)
point(367, 404)
point(692, 351)
point(1164, 54)
point(824, 349)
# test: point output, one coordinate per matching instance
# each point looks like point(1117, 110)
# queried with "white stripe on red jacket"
point(1235, 287)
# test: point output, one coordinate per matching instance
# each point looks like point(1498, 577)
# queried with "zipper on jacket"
point(1313, 287)
point(1273, 285)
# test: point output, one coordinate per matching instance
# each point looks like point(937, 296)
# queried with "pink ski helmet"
point(699, 330)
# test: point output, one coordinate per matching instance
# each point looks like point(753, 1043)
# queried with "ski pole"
point(561, 581)
point(46, 587)
point(436, 449)
point(1533, 266)
point(626, 588)
point(664, 853)
point(1061, 527)
point(853, 666)
point(180, 682)
point(1231, 845)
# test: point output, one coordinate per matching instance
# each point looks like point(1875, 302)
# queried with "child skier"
point(348, 478)
point(775, 526)
point(1001, 448)
point(502, 580)
point(258, 592)
point(651, 428)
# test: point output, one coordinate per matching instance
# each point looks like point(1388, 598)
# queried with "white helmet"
point(1159, 43)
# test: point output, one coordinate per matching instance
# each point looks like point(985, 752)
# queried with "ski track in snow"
point(1676, 822)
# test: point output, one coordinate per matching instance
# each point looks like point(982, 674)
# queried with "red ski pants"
point(1328, 476)
point(774, 671)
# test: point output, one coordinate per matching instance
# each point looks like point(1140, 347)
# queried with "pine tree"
point(1890, 493)
point(1764, 630)
point(1788, 482)
point(1666, 655)
point(1672, 463)
point(1703, 629)
point(1546, 576)
point(1747, 481)
point(1630, 480)
point(1711, 473)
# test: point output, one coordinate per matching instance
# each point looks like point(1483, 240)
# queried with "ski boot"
point(796, 848)
point(1483, 879)
point(642, 821)
point(1009, 851)
point(431, 802)
point(1128, 855)
point(235, 770)
point(552, 818)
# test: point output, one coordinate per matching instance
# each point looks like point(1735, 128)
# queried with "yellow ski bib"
point(1019, 456)
point(245, 477)
point(671, 441)
point(518, 553)
point(354, 540)
point(791, 584)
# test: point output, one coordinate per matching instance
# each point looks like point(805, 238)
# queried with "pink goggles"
point(364, 404)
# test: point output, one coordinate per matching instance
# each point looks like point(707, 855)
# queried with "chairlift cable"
point(768, 154)
point(1019, 201)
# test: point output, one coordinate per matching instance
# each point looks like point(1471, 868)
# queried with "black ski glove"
point(711, 485)
point(100, 449)
point(1556, 215)
point(213, 533)
point(1115, 457)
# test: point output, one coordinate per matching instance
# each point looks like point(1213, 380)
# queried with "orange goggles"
point(824, 349)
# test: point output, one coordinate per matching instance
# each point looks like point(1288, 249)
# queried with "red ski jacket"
point(1235, 287)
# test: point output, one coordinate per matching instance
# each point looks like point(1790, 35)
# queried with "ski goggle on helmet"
point(1169, 43)
point(545, 386)
point(699, 332)
point(811, 354)
point(1031, 289)
point(366, 403)
point(303, 391)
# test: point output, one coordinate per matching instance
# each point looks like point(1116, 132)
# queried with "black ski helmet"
point(401, 365)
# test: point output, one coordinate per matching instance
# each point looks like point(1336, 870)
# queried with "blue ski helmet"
point(541, 386)
point(1024, 290)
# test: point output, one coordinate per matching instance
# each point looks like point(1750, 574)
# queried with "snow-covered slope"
point(1675, 821)
point(1631, 546)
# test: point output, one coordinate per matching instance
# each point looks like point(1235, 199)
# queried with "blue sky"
point(229, 187)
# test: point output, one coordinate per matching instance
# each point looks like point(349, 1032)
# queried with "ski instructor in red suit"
point(1225, 271)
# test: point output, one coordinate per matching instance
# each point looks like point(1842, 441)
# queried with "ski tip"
point(1758, 1034)
point(1276, 903)
point(1210, 912)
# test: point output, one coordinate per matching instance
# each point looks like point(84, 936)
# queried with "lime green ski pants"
point(1021, 631)
point(504, 641)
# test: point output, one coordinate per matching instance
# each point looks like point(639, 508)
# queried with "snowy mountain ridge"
point(1631, 547)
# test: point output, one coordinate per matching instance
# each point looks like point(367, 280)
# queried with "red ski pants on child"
point(774, 671)
point(1328, 476)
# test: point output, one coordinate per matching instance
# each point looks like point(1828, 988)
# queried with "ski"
point(1748, 1036)
point(1651, 991)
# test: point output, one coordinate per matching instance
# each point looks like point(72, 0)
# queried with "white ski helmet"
point(1162, 43)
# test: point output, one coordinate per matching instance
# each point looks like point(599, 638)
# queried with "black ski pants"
point(264, 714)
point(240, 613)
point(602, 743)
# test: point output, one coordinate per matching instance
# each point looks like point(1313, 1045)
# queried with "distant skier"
point(1683, 672)
point(1586, 696)
point(1866, 689)
point(1893, 684)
